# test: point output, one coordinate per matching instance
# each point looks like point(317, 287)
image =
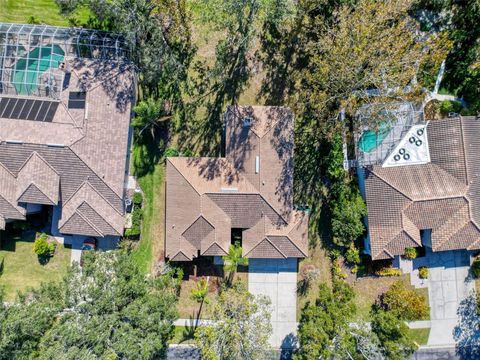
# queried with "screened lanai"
point(383, 125)
point(34, 59)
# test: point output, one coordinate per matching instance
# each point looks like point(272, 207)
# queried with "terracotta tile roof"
point(50, 162)
point(249, 189)
point(442, 195)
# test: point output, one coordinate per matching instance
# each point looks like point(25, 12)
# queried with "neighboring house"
point(65, 100)
point(247, 194)
point(427, 190)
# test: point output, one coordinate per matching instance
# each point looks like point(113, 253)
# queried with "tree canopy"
point(107, 310)
point(241, 326)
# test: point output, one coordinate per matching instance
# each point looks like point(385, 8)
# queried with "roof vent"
point(229, 190)
point(56, 145)
point(257, 164)
point(247, 122)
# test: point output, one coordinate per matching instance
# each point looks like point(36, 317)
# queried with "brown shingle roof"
point(49, 162)
point(38, 182)
point(249, 189)
point(441, 195)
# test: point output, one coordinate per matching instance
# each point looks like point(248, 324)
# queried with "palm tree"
point(233, 260)
point(149, 114)
point(199, 294)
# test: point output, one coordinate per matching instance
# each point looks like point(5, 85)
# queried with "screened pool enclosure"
point(34, 59)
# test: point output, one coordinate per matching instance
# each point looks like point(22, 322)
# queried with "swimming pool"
point(371, 139)
point(33, 65)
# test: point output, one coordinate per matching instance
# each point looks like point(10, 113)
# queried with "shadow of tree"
point(467, 332)
point(44, 260)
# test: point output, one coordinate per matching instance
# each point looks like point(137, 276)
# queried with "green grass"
point(22, 269)
point(151, 244)
point(420, 336)
point(44, 11)
point(368, 289)
point(182, 335)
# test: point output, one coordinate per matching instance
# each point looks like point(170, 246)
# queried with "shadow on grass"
point(43, 260)
point(148, 150)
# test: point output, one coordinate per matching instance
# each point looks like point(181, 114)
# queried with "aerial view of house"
point(426, 191)
point(241, 180)
point(65, 101)
point(248, 192)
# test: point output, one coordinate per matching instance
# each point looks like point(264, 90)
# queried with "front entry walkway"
point(277, 279)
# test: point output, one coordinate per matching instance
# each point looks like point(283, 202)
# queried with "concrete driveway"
point(449, 285)
point(277, 279)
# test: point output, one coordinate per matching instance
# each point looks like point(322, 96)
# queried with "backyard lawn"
point(44, 11)
point(21, 268)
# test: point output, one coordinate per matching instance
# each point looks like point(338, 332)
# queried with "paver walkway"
point(277, 279)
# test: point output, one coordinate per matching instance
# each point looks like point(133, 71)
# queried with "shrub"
point(352, 255)
point(423, 272)
point(476, 268)
point(388, 271)
point(406, 303)
point(448, 106)
point(171, 152)
point(42, 248)
point(135, 230)
point(137, 198)
point(337, 271)
point(410, 253)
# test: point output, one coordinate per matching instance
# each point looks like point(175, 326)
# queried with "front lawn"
point(21, 268)
point(368, 289)
point(420, 336)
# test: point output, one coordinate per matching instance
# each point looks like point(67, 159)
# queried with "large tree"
point(241, 327)
point(106, 310)
point(157, 33)
point(323, 330)
point(396, 343)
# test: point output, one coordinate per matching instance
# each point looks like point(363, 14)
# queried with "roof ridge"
point(93, 171)
point(261, 241)
point(35, 153)
point(181, 252)
point(447, 224)
point(464, 152)
point(14, 206)
point(87, 182)
point(475, 242)
point(96, 212)
point(87, 220)
point(390, 185)
point(36, 187)
point(292, 242)
point(217, 244)
point(188, 182)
